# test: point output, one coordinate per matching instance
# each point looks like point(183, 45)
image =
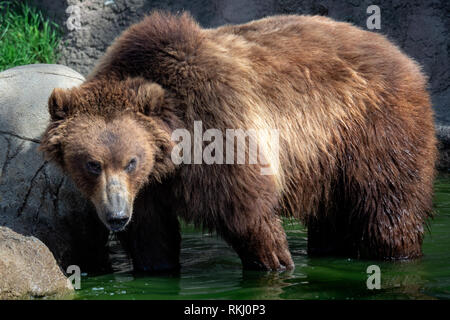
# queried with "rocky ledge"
point(28, 269)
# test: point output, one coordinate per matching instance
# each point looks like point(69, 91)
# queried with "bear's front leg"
point(248, 218)
point(152, 239)
point(261, 244)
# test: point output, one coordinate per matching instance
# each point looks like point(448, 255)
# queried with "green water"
point(211, 270)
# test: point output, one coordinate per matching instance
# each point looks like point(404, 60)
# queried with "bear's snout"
point(117, 220)
point(116, 210)
point(113, 203)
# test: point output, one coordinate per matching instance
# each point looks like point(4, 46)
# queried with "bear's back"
point(327, 47)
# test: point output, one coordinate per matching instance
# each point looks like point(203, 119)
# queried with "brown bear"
point(354, 159)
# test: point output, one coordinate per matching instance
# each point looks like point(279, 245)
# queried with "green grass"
point(26, 37)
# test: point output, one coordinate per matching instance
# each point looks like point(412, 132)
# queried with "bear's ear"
point(58, 104)
point(149, 98)
point(52, 142)
point(52, 139)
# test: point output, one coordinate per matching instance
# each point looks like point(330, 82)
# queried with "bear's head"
point(110, 137)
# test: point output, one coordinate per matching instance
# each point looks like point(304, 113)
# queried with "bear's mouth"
point(114, 220)
point(117, 221)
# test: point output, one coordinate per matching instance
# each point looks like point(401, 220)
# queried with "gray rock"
point(443, 135)
point(35, 197)
point(28, 269)
point(24, 93)
point(420, 28)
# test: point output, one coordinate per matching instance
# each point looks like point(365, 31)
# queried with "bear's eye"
point(94, 167)
point(131, 165)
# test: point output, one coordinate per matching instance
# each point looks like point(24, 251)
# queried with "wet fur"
point(357, 142)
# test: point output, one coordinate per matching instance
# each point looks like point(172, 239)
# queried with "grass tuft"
point(26, 37)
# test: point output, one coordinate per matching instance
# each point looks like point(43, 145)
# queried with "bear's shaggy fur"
point(357, 145)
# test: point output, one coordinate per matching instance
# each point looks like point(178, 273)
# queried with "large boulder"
point(419, 27)
point(36, 199)
point(28, 269)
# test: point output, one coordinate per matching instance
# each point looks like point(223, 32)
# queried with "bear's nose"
point(116, 220)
